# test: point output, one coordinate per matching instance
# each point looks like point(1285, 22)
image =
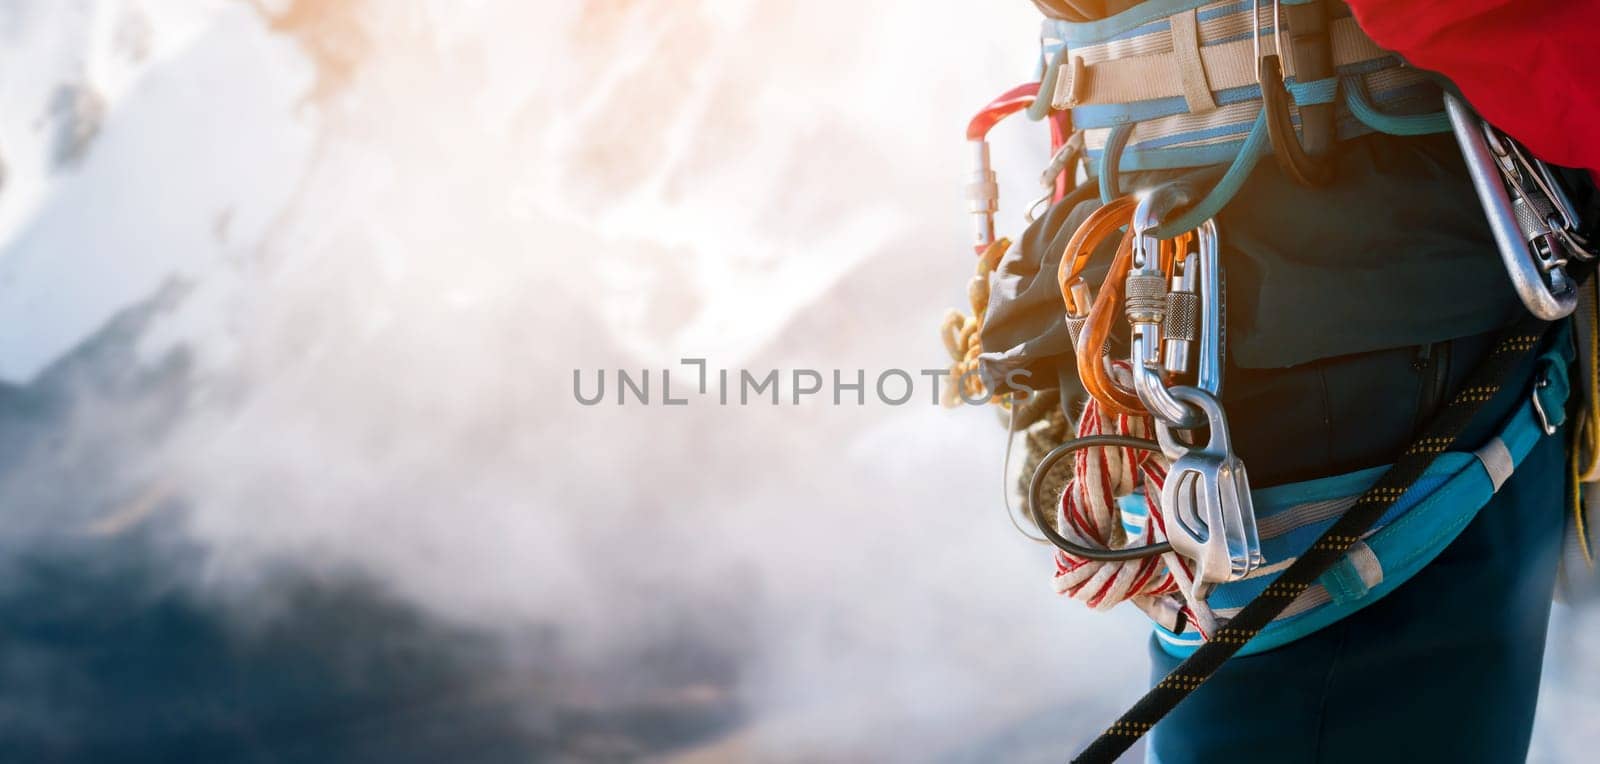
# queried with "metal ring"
point(1538, 407)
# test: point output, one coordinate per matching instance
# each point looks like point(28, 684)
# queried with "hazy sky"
point(396, 229)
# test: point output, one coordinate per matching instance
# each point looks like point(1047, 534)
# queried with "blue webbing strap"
point(1355, 98)
point(1314, 91)
point(1440, 504)
point(1223, 192)
point(1254, 146)
point(1494, 373)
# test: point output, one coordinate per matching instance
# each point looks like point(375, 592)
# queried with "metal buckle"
point(1538, 406)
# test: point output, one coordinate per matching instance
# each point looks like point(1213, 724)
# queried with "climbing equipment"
point(1158, 509)
point(1420, 524)
point(1102, 560)
point(1179, 84)
point(983, 187)
point(1208, 496)
point(960, 333)
point(1535, 225)
point(1331, 547)
point(1306, 163)
point(1164, 321)
point(1200, 504)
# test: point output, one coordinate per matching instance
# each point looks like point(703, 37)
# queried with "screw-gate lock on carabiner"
point(1206, 495)
point(1167, 312)
point(1205, 267)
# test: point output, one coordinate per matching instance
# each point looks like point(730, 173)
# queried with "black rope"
point(1440, 436)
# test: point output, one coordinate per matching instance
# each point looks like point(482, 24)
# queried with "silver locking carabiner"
point(1146, 305)
point(1534, 225)
point(1148, 299)
point(1208, 375)
point(1546, 211)
point(1209, 366)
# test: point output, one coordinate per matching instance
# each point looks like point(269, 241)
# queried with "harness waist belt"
point(1180, 78)
point(1410, 535)
point(1224, 66)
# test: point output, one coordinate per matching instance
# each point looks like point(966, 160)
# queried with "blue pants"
point(1446, 668)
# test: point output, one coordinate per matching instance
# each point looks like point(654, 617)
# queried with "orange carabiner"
point(1101, 316)
point(1100, 224)
point(1093, 369)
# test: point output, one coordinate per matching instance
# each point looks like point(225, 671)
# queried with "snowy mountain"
point(291, 298)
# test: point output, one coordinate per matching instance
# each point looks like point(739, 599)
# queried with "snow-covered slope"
point(141, 146)
point(398, 228)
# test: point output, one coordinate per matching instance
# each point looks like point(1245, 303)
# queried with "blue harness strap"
point(1410, 534)
point(1373, 92)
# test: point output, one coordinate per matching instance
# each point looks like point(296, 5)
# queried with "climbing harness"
point(1157, 508)
point(1419, 525)
point(1335, 545)
point(1171, 85)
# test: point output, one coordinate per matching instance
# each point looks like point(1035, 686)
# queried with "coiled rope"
point(960, 334)
point(1088, 515)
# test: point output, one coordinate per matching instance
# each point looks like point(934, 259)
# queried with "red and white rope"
point(1089, 515)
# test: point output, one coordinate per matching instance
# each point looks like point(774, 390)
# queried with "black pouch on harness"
point(1394, 253)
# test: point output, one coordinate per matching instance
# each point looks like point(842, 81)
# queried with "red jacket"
point(1528, 66)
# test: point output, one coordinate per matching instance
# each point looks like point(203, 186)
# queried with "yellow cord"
point(960, 332)
point(1577, 512)
point(1590, 428)
point(1585, 457)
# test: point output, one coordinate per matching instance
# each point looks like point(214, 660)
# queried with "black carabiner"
point(1036, 506)
point(1307, 163)
point(1299, 165)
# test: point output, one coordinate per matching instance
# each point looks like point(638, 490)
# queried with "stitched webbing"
point(1331, 547)
point(1148, 78)
point(1186, 51)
